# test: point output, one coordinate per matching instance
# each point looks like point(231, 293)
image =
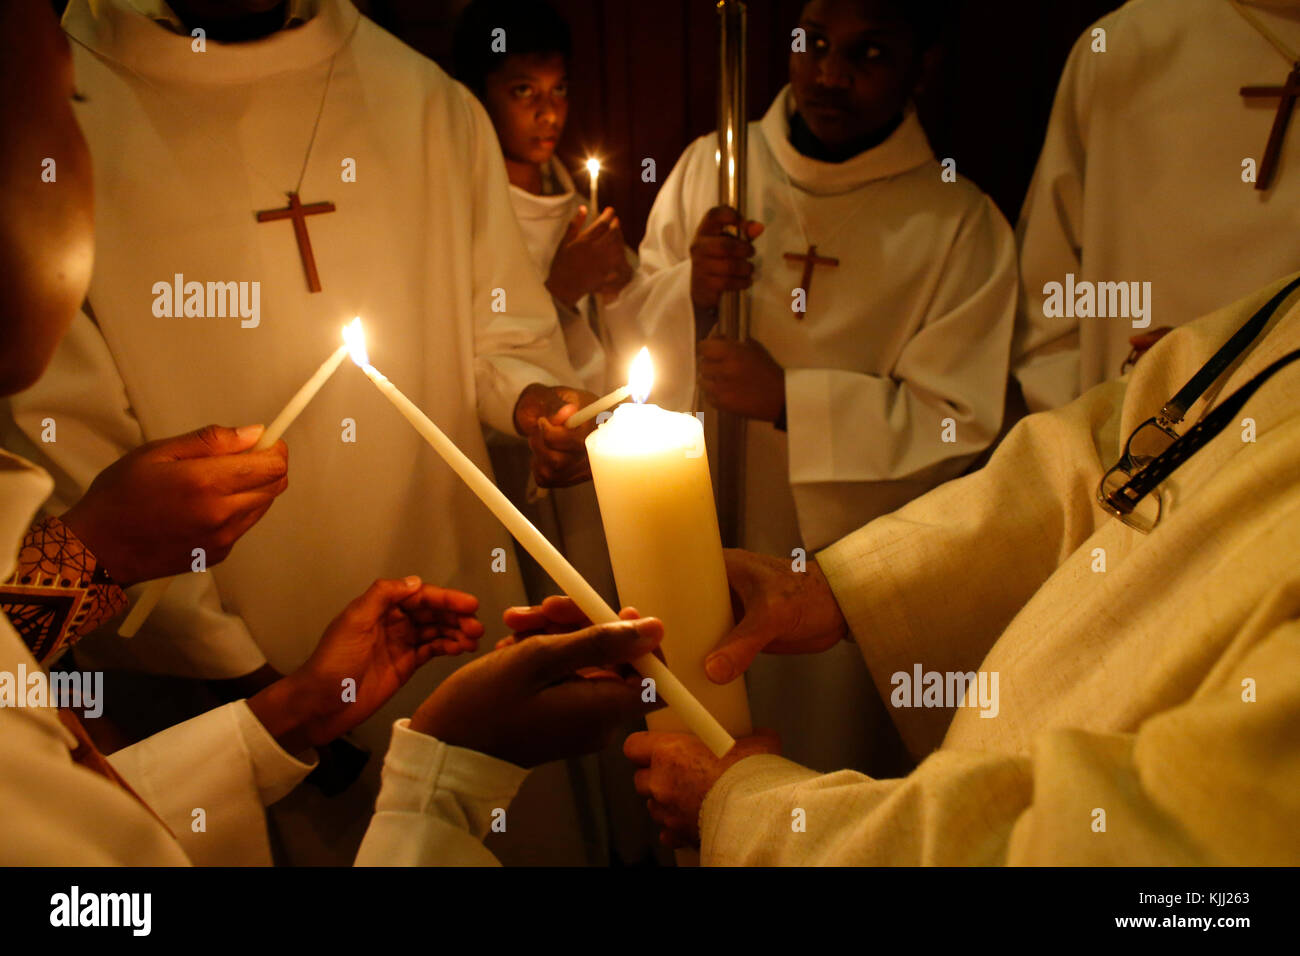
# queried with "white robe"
point(186, 147)
point(912, 329)
point(569, 517)
point(1140, 180)
point(1155, 678)
point(435, 806)
point(544, 220)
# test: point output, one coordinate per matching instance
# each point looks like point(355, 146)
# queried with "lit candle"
point(154, 591)
point(656, 501)
point(593, 170)
point(689, 711)
point(640, 366)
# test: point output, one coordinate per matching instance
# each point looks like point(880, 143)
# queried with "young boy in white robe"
point(1152, 175)
point(580, 254)
point(875, 370)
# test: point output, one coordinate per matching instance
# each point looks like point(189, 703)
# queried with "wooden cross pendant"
point(1288, 93)
point(299, 213)
point(810, 261)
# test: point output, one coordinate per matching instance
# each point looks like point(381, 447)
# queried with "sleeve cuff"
point(426, 776)
point(808, 422)
point(500, 381)
point(869, 597)
point(275, 771)
point(759, 772)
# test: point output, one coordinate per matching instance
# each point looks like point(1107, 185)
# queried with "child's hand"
point(526, 704)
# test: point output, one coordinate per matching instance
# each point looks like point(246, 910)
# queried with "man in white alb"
point(882, 297)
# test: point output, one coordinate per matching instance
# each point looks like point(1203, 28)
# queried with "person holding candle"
point(140, 519)
point(62, 802)
point(1131, 678)
point(578, 251)
point(189, 148)
point(882, 293)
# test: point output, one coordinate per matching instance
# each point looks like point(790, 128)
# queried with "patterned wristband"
point(58, 593)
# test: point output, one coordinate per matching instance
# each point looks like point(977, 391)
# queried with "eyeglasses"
point(1125, 490)
point(1141, 512)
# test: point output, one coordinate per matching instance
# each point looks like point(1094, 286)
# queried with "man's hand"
point(525, 702)
point(590, 259)
point(782, 611)
point(720, 254)
point(378, 642)
point(678, 771)
point(559, 452)
point(741, 378)
point(144, 514)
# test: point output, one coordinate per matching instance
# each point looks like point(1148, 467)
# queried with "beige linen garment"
point(911, 331)
point(187, 146)
point(1140, 180)
point(1121, 690)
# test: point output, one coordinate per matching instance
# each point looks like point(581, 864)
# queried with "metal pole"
point(733, 309)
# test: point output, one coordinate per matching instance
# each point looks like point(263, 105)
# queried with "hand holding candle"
point(154, 592)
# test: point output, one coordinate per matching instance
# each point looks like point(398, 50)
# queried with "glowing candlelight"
point(684, 705)
point(640, 380)
point(154, 591)
point(593, 170)
point(661, 523)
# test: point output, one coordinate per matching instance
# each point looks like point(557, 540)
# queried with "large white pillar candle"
point(661, 525)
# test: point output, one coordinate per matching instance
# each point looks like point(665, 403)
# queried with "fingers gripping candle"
point(661, 525)
point(154, 591)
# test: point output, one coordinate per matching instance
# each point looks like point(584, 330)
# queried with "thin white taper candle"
point(154, 590)
point(593, 170)
point(692, 713)
point(587, 413)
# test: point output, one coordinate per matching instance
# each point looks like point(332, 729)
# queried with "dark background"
point(644, 74)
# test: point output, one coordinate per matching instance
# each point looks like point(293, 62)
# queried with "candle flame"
point(641, 378)
point(355, 337)
point(593, 166)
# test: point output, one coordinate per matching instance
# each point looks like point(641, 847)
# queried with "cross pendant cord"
point(1288, 93)
point(1287, 53)
point(810, 259)
point(295, 210)
point(218, 143)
